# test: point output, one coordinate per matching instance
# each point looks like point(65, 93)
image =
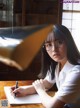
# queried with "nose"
point(54, 47)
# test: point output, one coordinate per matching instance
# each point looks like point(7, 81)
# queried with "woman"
point(60, 65)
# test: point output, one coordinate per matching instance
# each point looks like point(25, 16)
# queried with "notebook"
point(30, 99)
point(28, 47)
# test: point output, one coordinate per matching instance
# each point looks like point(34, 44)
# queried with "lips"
point(55, 54)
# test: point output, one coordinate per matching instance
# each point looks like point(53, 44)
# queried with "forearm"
point(47, 84)
point(48, 101)
point(30, 90)
point(45, 99)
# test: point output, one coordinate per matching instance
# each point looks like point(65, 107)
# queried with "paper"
point(30, 99)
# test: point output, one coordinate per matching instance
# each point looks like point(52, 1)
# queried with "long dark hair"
point(62, 33)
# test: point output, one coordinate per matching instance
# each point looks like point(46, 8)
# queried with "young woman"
point(60, 65)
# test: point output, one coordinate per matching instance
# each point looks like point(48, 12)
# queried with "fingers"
point(41, 81)
point(38, 81)
point(35, 83)
point(39, 85)
point(13, 88)
point(15, 92)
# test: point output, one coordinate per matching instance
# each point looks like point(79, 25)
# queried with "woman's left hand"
point(38, 85)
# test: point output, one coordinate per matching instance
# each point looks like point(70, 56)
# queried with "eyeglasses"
point(56, 43)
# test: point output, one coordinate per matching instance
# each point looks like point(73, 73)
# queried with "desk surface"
point(21, 83)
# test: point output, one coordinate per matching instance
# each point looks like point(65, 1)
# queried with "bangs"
point(50, 37)
point(53, 36)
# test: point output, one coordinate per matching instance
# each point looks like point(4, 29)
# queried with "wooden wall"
point(34, 12)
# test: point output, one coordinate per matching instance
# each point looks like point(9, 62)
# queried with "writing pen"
point(16, 86)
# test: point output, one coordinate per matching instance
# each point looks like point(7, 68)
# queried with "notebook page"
point(30, 99)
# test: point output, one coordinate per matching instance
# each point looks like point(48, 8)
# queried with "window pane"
point(72, 22)
point(67, 23)
point(76, 36)
point(66, 19)
point(76, 6)
point(66, 15)
point(76, 16)
point(71, 6)
point(67, 6)
point(76, 21)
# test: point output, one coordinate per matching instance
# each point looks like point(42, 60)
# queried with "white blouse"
point(68, 84)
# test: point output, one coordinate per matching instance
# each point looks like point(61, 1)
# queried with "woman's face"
point(56, 48)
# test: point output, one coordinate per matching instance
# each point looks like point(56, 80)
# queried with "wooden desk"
point(21, 83)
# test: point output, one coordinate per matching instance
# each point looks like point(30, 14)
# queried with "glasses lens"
point(56, 44)
point(48, 46)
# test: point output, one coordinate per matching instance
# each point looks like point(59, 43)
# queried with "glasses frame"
point(57, 44)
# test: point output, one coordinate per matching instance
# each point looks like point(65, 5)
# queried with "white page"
point(30, 99)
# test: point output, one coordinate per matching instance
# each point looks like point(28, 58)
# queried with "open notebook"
point(30, 99)
point(24, 53)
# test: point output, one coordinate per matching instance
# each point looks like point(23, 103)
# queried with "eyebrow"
point(51, 41)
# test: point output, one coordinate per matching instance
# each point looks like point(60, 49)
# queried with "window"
point(6, 12)
point(71, 18)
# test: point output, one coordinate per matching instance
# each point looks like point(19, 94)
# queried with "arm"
point(47, 84)
point(50, 102)
point(30, 89)
point(47, 101)
point(20, 92)
point(70, 87)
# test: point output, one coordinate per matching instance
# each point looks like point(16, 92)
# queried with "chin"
point(56, 59)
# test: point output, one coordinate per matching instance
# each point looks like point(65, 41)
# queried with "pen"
point(16, 86)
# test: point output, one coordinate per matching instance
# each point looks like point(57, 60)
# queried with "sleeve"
point(69, 92)
point(48, 77)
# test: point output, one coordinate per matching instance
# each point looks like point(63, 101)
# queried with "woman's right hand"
point(20, 92)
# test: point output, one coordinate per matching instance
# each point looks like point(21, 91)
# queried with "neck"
point(62, 63)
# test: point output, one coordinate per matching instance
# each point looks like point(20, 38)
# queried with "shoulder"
point(69, 91)
point(71, 68)
point(74, 71)
point(73, 77)
point(76, 68)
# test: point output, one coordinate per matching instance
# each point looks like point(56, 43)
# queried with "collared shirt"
point(68, 84)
